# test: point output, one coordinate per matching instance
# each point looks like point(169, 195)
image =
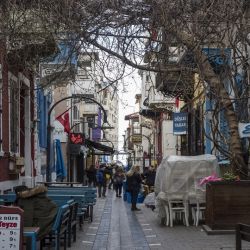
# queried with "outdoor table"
point(71, 184)
point(31, 232)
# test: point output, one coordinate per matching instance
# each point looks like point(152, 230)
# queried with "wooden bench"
point(242, 233)
point(89, 193)
point(59, 228)
point(31, 232)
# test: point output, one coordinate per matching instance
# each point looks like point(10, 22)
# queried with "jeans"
point(118, 189)
point(101, 189)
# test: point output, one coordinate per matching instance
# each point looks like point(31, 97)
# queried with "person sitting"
point(39, 210)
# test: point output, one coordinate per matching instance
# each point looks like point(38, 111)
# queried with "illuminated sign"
point(76, 138)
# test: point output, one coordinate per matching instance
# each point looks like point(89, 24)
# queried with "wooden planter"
point(227, 203)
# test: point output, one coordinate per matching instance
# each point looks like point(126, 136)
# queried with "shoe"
point(104, 196)
point(137, 209)
point(119, 196)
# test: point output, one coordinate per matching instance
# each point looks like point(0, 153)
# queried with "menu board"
point(11, 228)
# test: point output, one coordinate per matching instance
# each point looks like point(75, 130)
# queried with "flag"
point(177, 102)
point(64, 120)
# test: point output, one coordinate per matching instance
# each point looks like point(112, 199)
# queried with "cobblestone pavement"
point(115, 227)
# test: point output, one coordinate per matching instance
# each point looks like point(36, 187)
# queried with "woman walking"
point(134, 185)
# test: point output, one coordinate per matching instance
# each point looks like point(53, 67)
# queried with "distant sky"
point(127, 90)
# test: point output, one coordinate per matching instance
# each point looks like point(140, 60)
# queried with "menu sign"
point(11, 228)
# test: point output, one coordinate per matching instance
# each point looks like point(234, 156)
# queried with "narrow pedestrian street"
point(115, 227)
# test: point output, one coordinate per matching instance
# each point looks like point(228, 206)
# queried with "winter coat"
point(39, 210)
point(91, 174)
point(134, 182)
point(118, 178)
point(150, 178)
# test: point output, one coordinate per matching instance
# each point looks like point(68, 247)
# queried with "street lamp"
point(48, 149)
point(149, 145)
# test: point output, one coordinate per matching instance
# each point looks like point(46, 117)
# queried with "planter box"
point(227, 203)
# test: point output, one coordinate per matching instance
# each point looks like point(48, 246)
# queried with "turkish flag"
point(177, 102)
point(64, 120)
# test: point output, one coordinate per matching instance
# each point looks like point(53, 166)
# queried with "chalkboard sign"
point(11, 228)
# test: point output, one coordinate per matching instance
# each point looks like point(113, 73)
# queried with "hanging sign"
point(136, 138)
point(180, 123)
point(11, 225)
point(76, 138)
point(244, 129)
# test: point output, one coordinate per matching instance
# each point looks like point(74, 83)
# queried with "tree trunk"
point(235, 148)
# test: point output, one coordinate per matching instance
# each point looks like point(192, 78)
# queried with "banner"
point(180, 123)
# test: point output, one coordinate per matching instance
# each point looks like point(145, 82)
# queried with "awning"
point(60, 169)
point(101, 147)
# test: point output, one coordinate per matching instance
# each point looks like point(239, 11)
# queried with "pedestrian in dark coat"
point(133, 185)
point(101, 181)
point(91, 174)
point(150, 177)
point(118, 179)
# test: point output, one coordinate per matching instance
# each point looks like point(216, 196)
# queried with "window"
point(84, 64)
point(14, 115)
point(75, 113)
point(82, 74)
point(136, 128)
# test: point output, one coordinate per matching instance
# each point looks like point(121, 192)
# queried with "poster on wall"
point(180, 123)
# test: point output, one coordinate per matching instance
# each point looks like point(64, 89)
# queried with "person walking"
point(101, 181)
point(91, 174)
point(118, 181)
point(133, 185)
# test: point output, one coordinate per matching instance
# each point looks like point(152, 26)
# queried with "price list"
point(10, 230)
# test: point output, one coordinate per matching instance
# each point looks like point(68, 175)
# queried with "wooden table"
point(32, 233)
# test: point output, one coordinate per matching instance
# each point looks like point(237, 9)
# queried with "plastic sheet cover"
point(179, 177)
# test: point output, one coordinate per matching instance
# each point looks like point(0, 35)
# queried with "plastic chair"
point(199, 204)
point(178, 206)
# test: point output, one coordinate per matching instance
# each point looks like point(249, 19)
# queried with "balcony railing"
point(157, 101)
point(175, 82)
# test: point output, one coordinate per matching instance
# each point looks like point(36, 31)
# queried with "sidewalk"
point(115, 227)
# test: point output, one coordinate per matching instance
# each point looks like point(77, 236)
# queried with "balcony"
point(159, 102)
point(175, 82)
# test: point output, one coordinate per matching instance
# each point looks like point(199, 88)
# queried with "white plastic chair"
point(178, 206)
point(199, 202)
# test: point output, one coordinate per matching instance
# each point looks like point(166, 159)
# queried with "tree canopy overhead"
point(206, 37)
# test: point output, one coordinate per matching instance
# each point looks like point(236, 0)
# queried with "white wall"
point(168, 139)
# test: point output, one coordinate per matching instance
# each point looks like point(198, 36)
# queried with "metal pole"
point(48, 149)
point(48, 170)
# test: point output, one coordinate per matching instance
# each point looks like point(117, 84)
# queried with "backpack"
point(99, 176)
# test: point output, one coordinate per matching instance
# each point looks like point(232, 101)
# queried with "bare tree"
point(145, 34)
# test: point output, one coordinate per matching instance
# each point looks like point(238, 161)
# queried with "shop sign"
point(76, 138)
point(180, 123)
point(244, 129)
point(136, 138)
point(11, 225)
